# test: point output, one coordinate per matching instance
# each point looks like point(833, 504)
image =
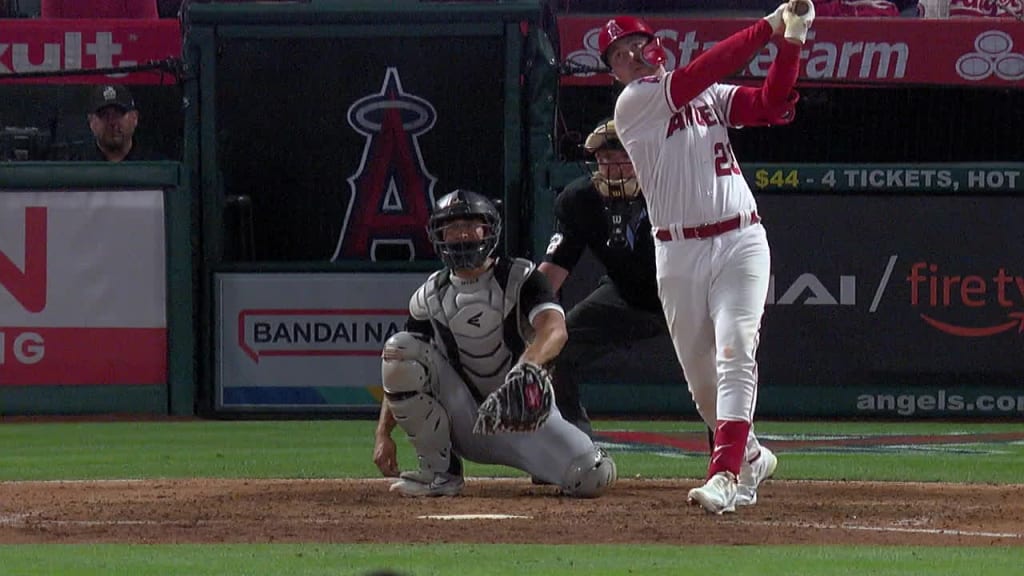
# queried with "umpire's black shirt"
point(580, 223)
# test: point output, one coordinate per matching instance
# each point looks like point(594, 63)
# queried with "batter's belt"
point(707, 230)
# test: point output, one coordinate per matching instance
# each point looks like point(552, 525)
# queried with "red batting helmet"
point(619, 27)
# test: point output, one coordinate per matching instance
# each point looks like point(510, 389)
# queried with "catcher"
point(466, 378)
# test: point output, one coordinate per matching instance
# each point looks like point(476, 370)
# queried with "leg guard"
point(409, 380)
point(589, 475)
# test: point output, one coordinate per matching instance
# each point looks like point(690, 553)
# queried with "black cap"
point(111, 95)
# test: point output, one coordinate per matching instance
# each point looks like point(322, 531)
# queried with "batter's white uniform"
point(711, 252)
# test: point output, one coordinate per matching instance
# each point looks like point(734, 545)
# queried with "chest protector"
point(474, 320)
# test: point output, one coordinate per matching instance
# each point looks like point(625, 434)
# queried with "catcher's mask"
point(464, 229)
point(613, 177)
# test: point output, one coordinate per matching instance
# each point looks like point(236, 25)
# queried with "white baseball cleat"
point(752, 475)
point(717, 495)
point(443, 484)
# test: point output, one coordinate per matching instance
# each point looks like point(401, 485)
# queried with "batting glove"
point(775, 19)
point(798, 16)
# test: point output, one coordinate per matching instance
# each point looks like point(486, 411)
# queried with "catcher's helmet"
point(464, 254)
point(620, 27)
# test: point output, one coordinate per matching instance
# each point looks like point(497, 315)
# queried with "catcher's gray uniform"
point(460, 341)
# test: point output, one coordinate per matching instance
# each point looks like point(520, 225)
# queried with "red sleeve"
point(773, 102)
point(723, 59)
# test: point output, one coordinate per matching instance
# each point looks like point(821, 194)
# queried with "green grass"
point(495, 560)
point(342, 448)
point(336, 448)
point(251, 449)
point(1004, 463)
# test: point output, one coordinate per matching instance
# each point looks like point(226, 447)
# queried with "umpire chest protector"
point(478, 324)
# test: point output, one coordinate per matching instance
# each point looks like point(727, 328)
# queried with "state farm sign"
point(838, 50)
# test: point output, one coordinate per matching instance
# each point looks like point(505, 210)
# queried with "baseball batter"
point(469, 324)
point(711, 250)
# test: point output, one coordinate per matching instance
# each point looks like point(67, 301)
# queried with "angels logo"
point(391, 192)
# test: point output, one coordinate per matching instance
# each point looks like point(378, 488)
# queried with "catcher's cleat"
point(717, 495)
point(443, 484)
point(752, 475)
point(421, 476)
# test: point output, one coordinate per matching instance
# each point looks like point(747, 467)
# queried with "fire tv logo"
point(935, 290)
point(28, 284)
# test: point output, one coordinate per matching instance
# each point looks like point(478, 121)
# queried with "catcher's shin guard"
point(407, 375)
point(589, 475)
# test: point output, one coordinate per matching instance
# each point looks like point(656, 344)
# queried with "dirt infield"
point(636, 511)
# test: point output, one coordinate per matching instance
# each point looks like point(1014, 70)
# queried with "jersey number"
point(725, 161)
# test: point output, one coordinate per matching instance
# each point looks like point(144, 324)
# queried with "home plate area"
point(503, 511)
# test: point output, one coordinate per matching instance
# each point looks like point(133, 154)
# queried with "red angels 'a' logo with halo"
point(391, 192)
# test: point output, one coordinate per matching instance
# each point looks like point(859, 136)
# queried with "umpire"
point(605, 212)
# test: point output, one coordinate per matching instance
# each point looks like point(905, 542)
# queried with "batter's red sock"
point(730, 445)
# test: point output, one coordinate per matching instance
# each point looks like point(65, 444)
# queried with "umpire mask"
point(613, 176)
point(464, 229)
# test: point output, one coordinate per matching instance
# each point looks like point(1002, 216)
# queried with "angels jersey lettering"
point(682, 154)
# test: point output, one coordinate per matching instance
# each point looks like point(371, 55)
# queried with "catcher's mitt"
point(521, 404)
